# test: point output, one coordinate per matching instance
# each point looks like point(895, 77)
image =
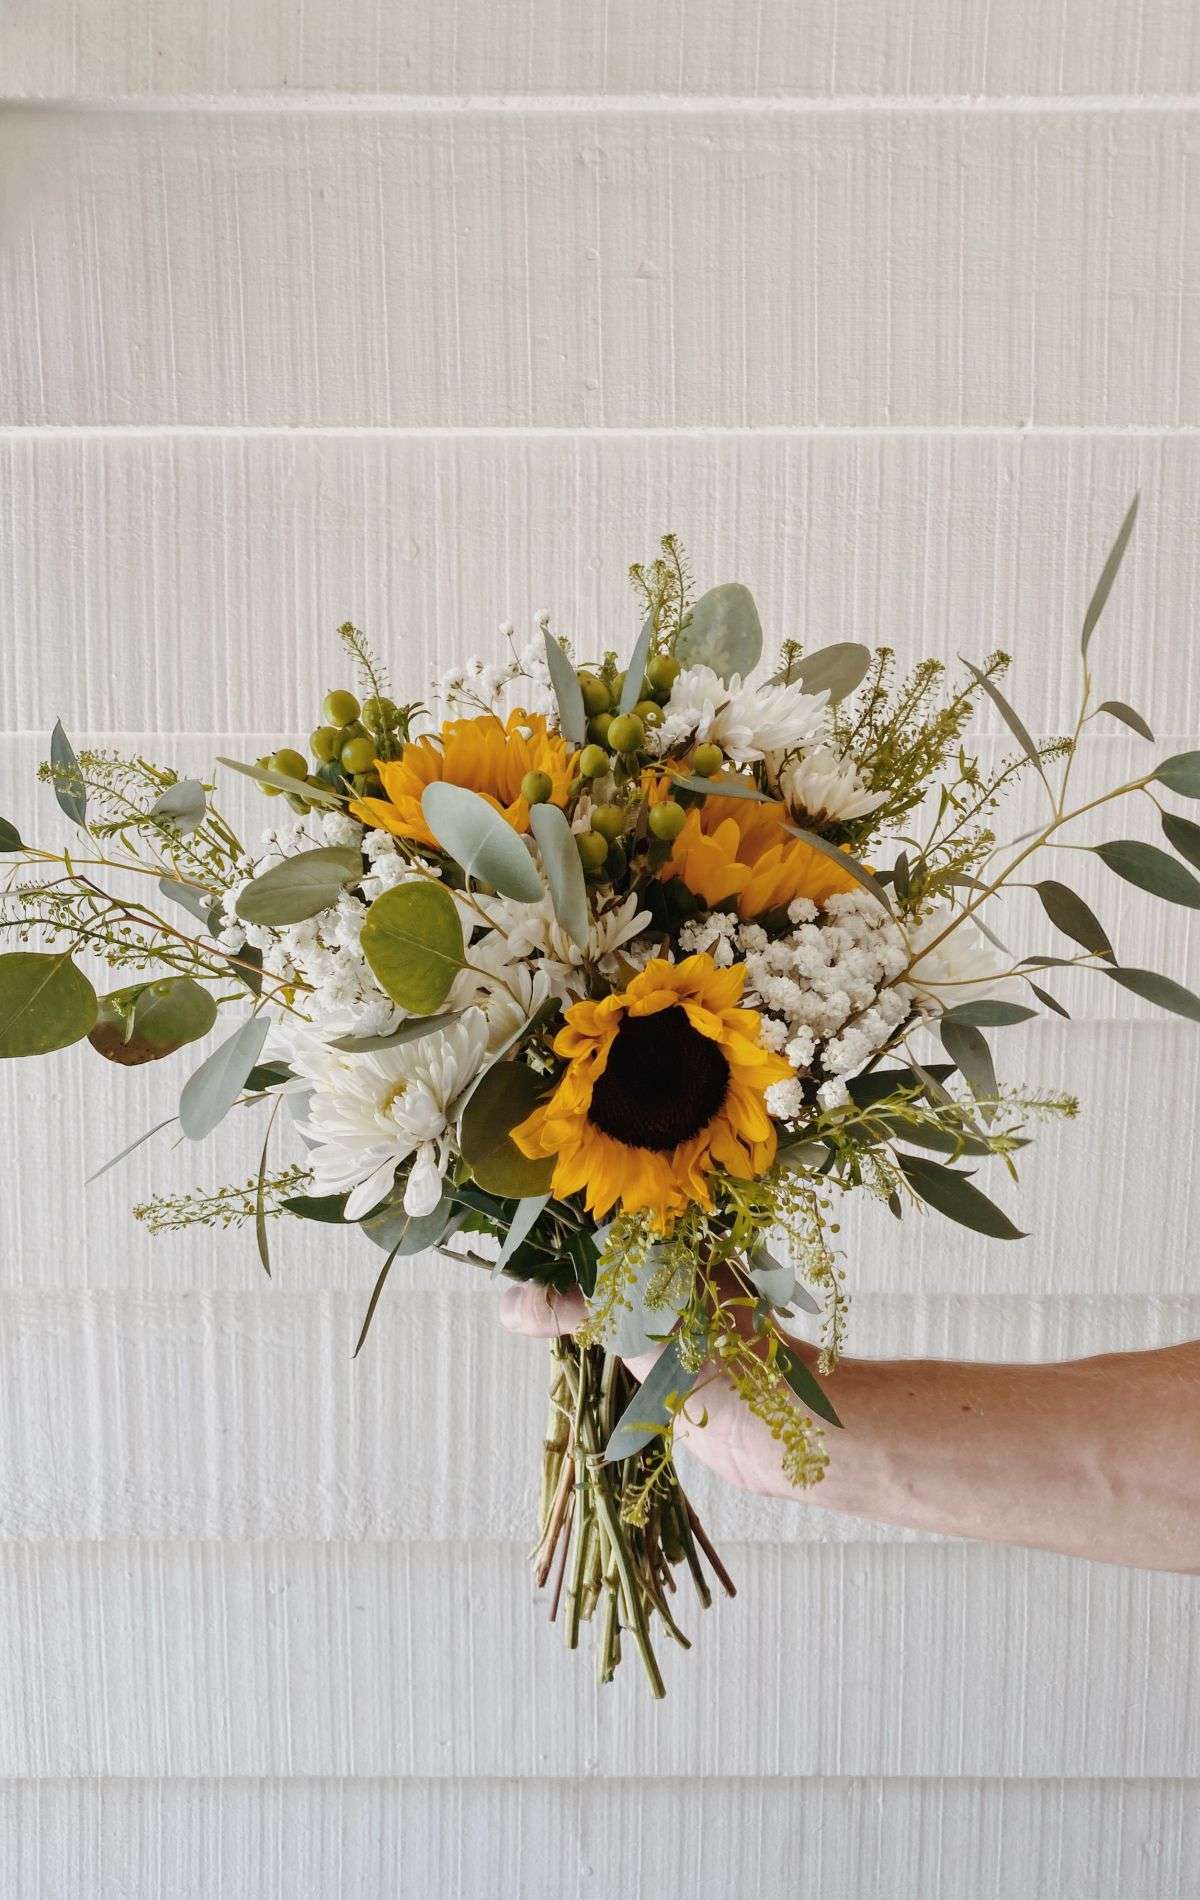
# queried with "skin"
point(1094, 1458)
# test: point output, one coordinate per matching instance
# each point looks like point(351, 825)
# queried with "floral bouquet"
point(618, 988)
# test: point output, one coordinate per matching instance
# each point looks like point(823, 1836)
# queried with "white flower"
point(746, 721)
point(508, 991)
point(961, 968)
point(533, 930)
point(368, 1113)
point(821, 787)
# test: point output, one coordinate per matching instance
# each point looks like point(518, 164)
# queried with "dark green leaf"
point(391, 1228)
point(10, 837)
point(147, 1021)
point(857, 871)
point(652, 1406)
point(507, 1093)
point(805, 1384)
point(373, 1302)
point(1045, 997)
point(412, 938)
point(211, 1092)
point(1150, 869)
point(585, 1258)
point(525, 1218)
point(45, 1003)
point(1181, 774)
point(1158, 989)
point(201, 904)
point(248, 969)
point(988, 1013)
point(723, 631)
point(878, 1084)
point(69, 788)
point(301, 887)
point(953, 1195)
point(1184, 835)
point(267, 1075)
point(1011, 718)
point(968, 1049)
point(329, 1209)
point(1074, 918)
point(1127, 716)
point(572, 716)
point(635, 672)
point(260, 1207)
point(1097, 603)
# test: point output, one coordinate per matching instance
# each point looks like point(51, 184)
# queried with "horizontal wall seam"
point(581, 104)
point(533, 432)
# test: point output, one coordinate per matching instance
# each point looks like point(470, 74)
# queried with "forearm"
point(1096, 1457)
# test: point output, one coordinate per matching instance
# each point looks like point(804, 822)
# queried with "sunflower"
point(740, 848)
point(664, 1082)
point(488, 755)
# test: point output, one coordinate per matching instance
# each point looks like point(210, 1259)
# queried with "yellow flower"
point(488, 755)
point(738, 847)
point(664, 1082)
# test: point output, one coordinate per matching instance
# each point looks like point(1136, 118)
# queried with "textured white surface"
point(433, 316)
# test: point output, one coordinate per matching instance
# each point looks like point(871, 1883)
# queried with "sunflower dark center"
point(663, 1083)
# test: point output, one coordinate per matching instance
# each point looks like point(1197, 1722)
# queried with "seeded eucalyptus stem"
point(611, 1535)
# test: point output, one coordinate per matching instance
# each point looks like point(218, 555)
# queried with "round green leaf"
point(300, 887)
point(504, 1096)
point(412, 938)
point(723, 631)
point(148, 1021)
point(835, 670)
point(182, 804)
point(1151, 870)
point(1181, 774)
point(45, 1003)
point(474, 834)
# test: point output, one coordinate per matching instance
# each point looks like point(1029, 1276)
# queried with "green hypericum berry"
point(358, 755)
point(597, 728)
point(376, 713)
point(667, 820)
point(627, 733)
point(291, 763)
point(536, 787)
point(595, 694)
point(609, 820)
point(649, 712)
point(340, 708)
point(616, 686)
point(271, 791)
point(662, 673)
point(707, 760)
point(593, 761)
point(593, 850)
point(325, 743)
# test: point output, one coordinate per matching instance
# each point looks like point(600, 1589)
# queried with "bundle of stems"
point(611, 1535)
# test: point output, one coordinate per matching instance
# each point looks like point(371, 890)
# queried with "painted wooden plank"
point(501, 268)
point(64, 49)
point(243, 1415)
point(574, 1840)
point(265, 1658)
point(153, 585)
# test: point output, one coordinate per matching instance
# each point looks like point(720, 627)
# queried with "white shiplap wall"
point(433, 316)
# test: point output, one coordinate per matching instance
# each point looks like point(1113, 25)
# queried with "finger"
point(539, 1312)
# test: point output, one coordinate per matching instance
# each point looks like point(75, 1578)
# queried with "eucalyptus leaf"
point(652, 1406)
point(147, 1021)
point(805, 1383)
point(413, 940)
point(1127, 716)
point(774, 1279)
point(10, 837)
point(968, 1049)
point(1181, 774)
point(564, 871)
point(953, 1195)
point(877, 1084)
point(1068, 913)
point(835, 670)
point(414, 1030)
point(156, 1130)
point(298, 787)
point(205, 906)
point(572, 716)
point(988, 1013)
point(1011, 718)
point(211, 1092)
point(507, 1093)
point(1183, 835)
point(267, 1075)
point(524, 1220)
point(802, 1298)
point(1162, 990)
point(45, 1003)
point(302, 886)
point(328, 1209)
point(183, 804)
point(636, 1328)
point(1150, 869)
point(857, 871)
point(474, 834)
point(373, 1302)
point(403, 1234)
point(635, 672)
point(723, 631)
point(69, 788)
point(726, 787)
point(1050, 1002)
point(260, 1205)
point(1099, 600)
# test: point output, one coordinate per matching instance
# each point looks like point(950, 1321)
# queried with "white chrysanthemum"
point(746, 721)
point(366, 1114)
point(508, 991)
point(961, 968)
point(822, 788)
point(533, 930)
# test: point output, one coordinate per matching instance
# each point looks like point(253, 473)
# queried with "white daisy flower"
point(368, 1113)
point(822, 788)
point(746, 721)
point(961, 968)
point(531, 930)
